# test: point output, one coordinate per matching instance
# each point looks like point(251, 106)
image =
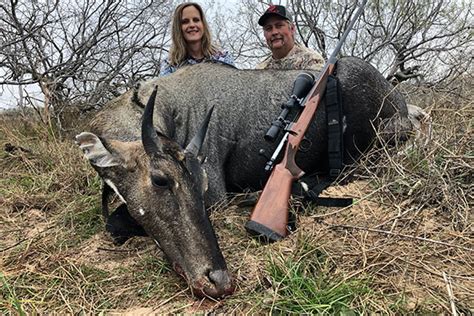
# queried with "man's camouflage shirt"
point(299, 57)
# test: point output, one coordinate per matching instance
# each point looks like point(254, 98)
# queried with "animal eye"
point(160, 182)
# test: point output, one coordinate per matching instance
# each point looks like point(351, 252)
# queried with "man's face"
point(279, 34)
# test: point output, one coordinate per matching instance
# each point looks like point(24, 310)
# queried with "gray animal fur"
point(246, 101)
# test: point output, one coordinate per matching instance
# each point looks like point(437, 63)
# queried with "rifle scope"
point(301, 86)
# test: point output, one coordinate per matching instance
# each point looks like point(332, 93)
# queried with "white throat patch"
point(112, 185)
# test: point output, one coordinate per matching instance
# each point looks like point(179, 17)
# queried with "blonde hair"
point(178, 50)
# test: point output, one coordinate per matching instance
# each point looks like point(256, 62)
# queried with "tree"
point(81, 51)
point(91, 50)
point(427, 40)
point(414, 39)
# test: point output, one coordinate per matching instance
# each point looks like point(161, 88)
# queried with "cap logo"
point(273, 9)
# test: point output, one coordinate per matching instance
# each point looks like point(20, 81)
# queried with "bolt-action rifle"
point(269, 218)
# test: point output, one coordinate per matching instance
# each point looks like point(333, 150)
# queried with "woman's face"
point(191, 25)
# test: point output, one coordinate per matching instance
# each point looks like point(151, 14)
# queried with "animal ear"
point(95, 151)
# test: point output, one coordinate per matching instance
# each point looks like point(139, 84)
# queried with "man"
point(279, 32)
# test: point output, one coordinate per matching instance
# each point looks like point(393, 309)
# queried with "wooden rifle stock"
point(269, 218)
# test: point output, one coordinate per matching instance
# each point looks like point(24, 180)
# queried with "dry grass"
point(405, 246)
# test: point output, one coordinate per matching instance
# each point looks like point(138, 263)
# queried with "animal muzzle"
point(217, 284)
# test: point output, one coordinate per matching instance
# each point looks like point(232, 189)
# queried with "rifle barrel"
point(332, 59)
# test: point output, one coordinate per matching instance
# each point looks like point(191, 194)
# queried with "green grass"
point(306, 285)
point(65, 282)
point(9, 300)
point(151, 272)
point(85, 219)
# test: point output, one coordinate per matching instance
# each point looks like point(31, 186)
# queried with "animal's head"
point(163, 186)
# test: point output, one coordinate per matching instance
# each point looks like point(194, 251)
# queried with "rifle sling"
point(335, 126)
point(334, 119)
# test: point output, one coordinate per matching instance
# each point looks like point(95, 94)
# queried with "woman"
point(191, 42)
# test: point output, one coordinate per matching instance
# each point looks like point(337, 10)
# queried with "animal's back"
point(245, 103)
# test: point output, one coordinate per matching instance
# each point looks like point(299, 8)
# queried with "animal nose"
point(219, 284)
point(219, 277)
point(223, 283)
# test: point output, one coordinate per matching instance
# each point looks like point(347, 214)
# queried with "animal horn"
point(194, 146)
point(150, 140)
